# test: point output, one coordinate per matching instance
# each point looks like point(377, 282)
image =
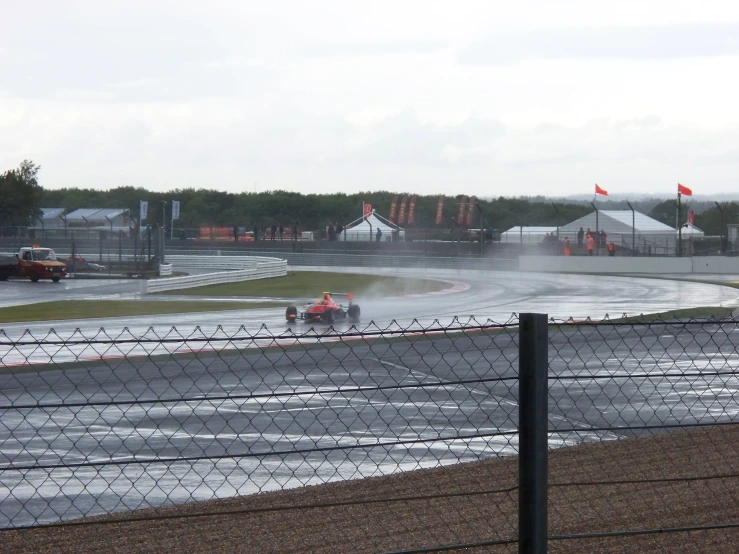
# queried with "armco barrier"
point(186, 262)
point(232, 259)
point(262, 269)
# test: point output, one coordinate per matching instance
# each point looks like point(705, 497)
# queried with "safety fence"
point(586, 436)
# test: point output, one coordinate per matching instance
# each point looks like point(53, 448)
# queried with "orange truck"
point(33, 262)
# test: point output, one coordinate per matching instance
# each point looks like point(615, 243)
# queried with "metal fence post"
point(532, 429)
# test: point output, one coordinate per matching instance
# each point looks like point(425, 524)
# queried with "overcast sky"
point(488, 98)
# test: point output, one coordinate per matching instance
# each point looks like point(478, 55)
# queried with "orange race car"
point(325, 310)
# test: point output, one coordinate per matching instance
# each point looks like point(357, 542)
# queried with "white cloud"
point(331, 95)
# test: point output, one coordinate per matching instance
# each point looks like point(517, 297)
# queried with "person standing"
point(591, 244)
point(611, 249)
point(378, 236)
point(580, 237)
point(567, 246)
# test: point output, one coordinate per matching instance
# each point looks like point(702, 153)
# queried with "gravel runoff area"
point(462, 511)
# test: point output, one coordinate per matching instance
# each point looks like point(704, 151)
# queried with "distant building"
point(96, 220)
point(51, 222)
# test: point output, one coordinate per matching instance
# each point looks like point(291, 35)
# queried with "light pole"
point(596, 238)
point(633, 228)
point(164, 228)
point(721, 218)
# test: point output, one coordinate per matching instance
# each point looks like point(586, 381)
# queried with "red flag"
point(470, 209)
point(599, 190)
point(440, 209)
point(412, 210)
point(682, 189)
point(401, 215)
point(393, 208)
point(462, 210)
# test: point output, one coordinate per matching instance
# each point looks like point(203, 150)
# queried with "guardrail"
point(359, 260)
point(263, 268)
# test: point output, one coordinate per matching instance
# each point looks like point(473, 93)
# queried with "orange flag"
point(682, 189)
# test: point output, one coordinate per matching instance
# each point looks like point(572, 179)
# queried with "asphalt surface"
point(493, 295)
point(319, 409)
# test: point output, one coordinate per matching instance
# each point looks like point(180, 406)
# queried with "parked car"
point(81, 264)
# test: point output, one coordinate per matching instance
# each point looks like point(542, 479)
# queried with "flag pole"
point(679, 227)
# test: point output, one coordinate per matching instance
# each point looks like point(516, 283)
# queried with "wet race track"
point(269, 415)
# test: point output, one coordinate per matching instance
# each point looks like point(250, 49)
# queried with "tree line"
point(21, 198)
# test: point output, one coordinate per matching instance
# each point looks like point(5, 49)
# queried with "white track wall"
point(227, 269)
point(616, 264)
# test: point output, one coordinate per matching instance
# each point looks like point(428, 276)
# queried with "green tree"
point(20, 195)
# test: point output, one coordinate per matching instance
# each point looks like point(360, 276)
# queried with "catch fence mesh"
point(380, 439)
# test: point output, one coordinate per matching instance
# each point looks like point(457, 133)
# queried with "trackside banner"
point(393, 208)
point(366, 210)
point(440, 209)
point(401, 215)
point(462, 210)
point(412, 210)
point(175, 209)
point(470, 209)
point(143, 209)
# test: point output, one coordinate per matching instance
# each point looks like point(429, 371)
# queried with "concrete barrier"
point(616, 264)
point(262, 269)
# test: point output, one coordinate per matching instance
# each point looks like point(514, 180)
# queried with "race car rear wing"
point(348, 295)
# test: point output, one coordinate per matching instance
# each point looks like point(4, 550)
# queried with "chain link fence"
point(384, 439)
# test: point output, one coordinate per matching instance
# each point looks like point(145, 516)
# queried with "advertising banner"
point(412, 210)
point(393, 208)
point(401, 214)
point(440, 209)
point(462, 210)
point(471, 209)
point(366, 210)
point(175, 209)
point(143, 209)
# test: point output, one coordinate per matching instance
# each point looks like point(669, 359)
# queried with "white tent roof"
point(364, 225)
point(95, 215)
point(619, 221)
point(689, 230)
point(51, 213)
point(530, 230)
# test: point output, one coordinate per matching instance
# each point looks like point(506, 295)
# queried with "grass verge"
point(83, 309)
point(703, 312)
point(310, 284)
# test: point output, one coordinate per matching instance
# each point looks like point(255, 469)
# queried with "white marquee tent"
point(526, 234)
point(623, 226)
point(366, 230)
point(691, 231)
